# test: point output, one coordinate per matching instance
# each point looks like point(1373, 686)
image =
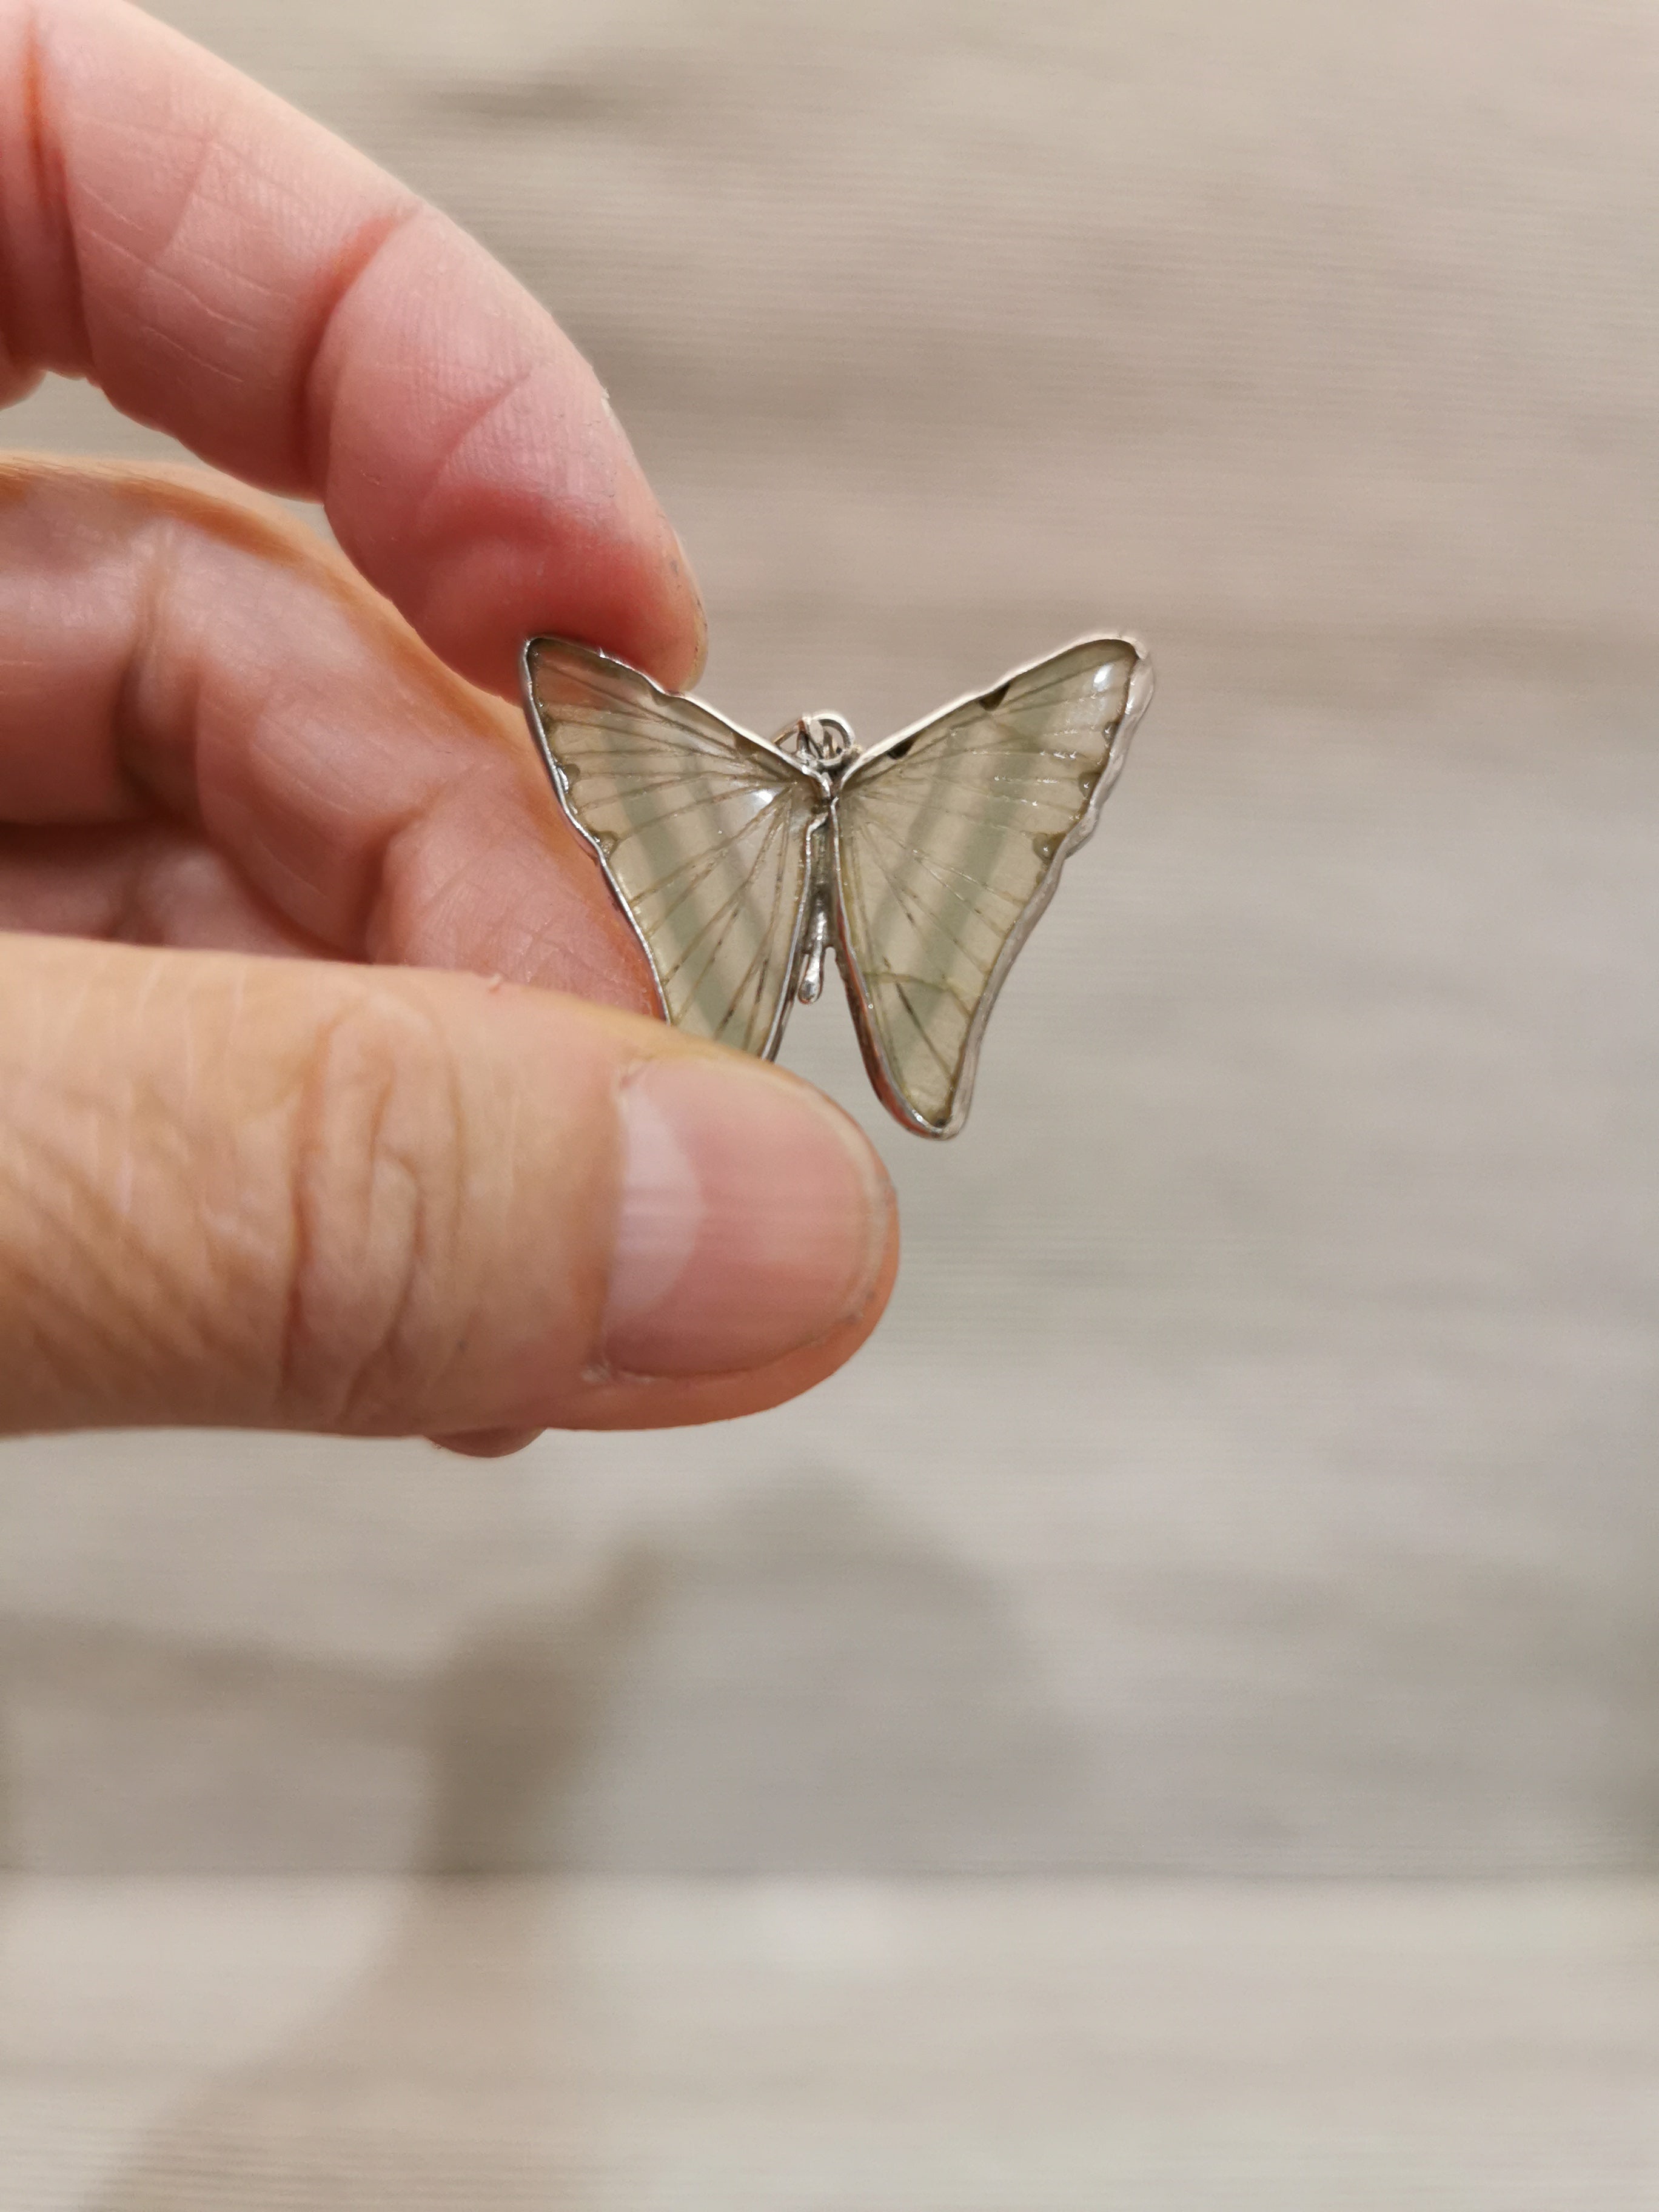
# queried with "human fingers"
point(296, 1194)
point(228, 270)
point(214, 733)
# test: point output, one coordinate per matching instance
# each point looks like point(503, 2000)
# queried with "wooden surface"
point(254, 2046)
point(1257, 1471)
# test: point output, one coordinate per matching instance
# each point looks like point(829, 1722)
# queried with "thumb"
point(286, 1194)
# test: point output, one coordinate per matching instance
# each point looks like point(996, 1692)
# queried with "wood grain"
point(627, 2047)
point(1257, 1469)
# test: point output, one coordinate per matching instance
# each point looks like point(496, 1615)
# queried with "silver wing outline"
point(703, 830)
point(949, 840)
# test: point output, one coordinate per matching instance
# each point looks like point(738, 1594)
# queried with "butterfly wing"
point(949, 838)
point(701, 831)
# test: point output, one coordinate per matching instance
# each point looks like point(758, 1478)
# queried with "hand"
point(336, 1189)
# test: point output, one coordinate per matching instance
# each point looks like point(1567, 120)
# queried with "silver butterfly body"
point(923, 861)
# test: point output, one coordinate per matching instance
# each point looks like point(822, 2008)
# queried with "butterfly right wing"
point(700, 829)
point(949, 838)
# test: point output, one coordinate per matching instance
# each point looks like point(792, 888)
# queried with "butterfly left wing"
point(700, 829)
point(949, 838)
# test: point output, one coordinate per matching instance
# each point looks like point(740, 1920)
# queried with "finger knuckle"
point(379, 1150)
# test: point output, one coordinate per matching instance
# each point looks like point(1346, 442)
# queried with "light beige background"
point(1256, 1473)
point(1257, 1470)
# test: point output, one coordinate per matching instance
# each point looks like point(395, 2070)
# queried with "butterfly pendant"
point(923, 860)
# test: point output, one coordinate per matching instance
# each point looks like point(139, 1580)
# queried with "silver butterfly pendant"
point(923, 860)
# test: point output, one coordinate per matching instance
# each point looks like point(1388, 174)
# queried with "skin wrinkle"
point(61, 1346)
point(334, 898)
point(395, 873)
point(472, 422)
point(363, 1370)
point(413, 1184)
point(431, 1256)
point(150, 546)
point(391, 890)
point(28, 1194)
point(125, 1308)
point(211, 143)
point(187, 360)
point(217, 145)
point(119, 1303)
point(243, 1240)
point(314, 424)
point(411, 907)
point(141, 1313)
point(60, 1361)
point(185, 1066)
point(295, 1387)
point(123, 613)
point(547, 949)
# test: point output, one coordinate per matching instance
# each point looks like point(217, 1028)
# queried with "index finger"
point(228, 271)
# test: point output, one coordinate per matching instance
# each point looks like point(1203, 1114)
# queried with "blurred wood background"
point(1257, 1470)
point(826, 2045)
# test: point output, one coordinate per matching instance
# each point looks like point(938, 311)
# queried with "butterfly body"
point(923, 861)
point(827, 751)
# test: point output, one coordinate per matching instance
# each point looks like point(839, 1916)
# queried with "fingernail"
point(753, 1220)
point(682, 563)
